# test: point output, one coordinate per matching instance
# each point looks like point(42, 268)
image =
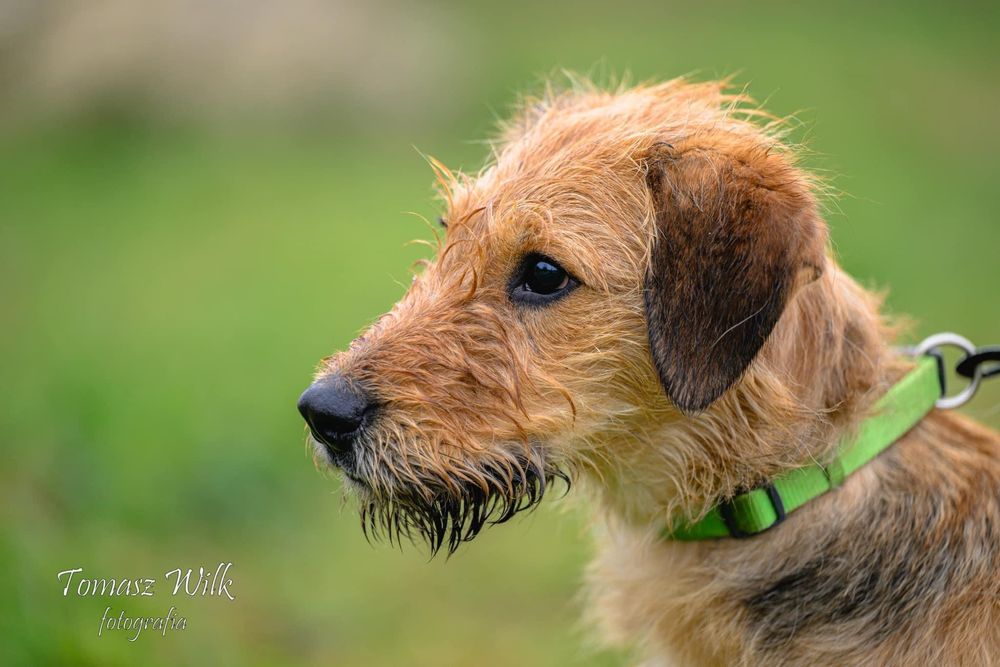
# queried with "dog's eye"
point(540, 280)
point(545, 278)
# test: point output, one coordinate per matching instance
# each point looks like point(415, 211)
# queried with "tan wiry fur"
point(483, 401)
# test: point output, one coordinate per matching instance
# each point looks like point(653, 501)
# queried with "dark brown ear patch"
point(737, 233)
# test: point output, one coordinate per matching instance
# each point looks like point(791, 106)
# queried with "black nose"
point(335, 410)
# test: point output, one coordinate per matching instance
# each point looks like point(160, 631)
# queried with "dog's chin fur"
point(445, 510)
point(446, 519)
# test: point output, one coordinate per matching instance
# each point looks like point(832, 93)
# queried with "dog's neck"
point(825, 363)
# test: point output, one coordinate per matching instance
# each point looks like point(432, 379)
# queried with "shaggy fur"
point(711, 345)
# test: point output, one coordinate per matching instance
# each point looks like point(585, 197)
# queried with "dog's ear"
point(737, 232)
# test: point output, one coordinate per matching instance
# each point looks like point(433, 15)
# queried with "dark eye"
point(541, 280)
point(544, 277)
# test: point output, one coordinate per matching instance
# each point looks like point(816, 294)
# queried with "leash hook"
point(971, 364)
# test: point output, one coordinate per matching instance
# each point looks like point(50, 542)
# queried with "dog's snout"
point(335, 411)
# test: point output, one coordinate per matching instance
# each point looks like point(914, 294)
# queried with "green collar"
point(747, 514)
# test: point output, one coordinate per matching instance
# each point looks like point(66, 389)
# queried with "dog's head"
point(618, 267)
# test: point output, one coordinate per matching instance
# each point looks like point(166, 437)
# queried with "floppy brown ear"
point(737, 232)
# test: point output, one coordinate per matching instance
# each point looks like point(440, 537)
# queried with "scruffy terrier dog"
point(638, 294)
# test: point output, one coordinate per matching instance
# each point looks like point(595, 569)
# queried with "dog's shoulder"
point(910, 557)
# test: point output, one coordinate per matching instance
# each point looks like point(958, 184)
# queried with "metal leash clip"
point(976, 365)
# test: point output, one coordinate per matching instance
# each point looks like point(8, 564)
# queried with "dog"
point(638, 294)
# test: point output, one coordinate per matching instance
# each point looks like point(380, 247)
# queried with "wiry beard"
point(445, 515)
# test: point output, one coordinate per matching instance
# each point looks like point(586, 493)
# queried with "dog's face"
point(617, 268)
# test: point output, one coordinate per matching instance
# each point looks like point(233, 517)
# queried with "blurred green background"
point(200, 200)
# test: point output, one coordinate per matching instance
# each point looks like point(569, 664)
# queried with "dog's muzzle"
point(337, 412)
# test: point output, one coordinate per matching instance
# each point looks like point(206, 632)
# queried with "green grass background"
point(166, 290)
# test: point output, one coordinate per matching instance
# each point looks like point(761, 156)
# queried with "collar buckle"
point(728, 511)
